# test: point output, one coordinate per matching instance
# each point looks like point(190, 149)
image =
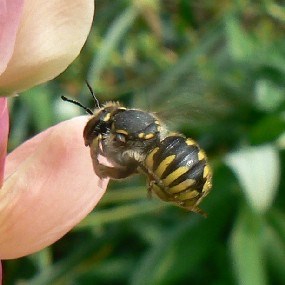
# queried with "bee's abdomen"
point(180, 170)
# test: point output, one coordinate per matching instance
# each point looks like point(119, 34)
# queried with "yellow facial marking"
point(163, 165)
point(190, 142)
point(186, 195)
point(175, 174)
point(149, 136)
point(144, 136)
point(123, 132)
point(107, 117)
point(149, 158)
point(201, 155)
point(182, 186)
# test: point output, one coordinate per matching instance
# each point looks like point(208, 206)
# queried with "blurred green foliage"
point(221, 66)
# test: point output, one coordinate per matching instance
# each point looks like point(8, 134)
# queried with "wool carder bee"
point(135, 141)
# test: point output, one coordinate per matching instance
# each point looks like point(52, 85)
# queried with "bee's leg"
point(149, 189)
point(158, 190)
point(192, 205)
point(199, 211)
point(106, 171)
point(154, 184)
point(116, 172)
point(95, 151)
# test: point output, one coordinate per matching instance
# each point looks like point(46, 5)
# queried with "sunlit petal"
point(4, 129)
point(50, 36)
point(10, 14)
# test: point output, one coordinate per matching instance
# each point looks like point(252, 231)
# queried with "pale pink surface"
point(10, 15)
point(4, 129)
point(51, 34)
point(49, 187)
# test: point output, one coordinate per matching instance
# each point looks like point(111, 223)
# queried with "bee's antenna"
point(78, 104)
point(97, 103)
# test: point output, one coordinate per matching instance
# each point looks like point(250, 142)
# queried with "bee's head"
point(135, 128)
point(122, 128)
point(98, 124)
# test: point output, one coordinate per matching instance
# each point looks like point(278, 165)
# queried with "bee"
point(135, 141)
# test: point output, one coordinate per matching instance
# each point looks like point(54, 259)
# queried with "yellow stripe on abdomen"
point(187, 195)
point(163, 165)
point(186, 184)
point(149, 158)
point(174, 175)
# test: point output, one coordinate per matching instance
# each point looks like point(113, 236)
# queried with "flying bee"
point(135, 141)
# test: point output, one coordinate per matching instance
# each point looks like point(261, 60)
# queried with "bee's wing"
point(192, 103)
point(190, 110)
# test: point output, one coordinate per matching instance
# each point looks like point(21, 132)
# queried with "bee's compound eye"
point(120, 138)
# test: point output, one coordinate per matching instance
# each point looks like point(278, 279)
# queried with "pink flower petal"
point(50, 186)
point(50, 37)
point(4, 129)
point(10, 14)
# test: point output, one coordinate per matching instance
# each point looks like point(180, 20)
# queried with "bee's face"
point(96, 126)
point(101, 122)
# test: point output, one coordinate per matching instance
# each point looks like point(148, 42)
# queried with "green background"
point(215, 71)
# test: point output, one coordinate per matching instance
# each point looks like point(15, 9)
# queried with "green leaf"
point(241, 46)
point(38, 101)
point(42, 259)
point(274, 125)
point(268, 95)
point(180, 253)
point(275, 252)
point(281, 141)
point(277, 220)
point(84, 255)
point(247, 251)
point(258, 171)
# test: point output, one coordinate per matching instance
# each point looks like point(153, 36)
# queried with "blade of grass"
point(114, 35)
point(120, 213)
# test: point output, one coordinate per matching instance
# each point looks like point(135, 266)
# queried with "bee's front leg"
point(94, 152)
point(104, 171)
point(116, 172)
